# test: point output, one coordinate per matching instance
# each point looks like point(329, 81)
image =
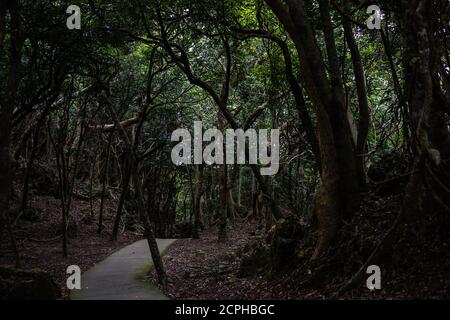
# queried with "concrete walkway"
point(121, 276)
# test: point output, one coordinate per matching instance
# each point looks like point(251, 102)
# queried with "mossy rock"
point(255, 258)
point(277, 249)
point(283, 239)
point(33, 284)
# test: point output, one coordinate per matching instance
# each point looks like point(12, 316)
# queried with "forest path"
point(121, 276)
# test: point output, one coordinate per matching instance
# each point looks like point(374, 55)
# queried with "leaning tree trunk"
point(134, 174)
point(123, 194)
point(149, 234)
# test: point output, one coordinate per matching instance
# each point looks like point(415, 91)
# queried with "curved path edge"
point(122, 275)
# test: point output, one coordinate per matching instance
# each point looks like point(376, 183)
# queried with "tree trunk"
point(338, 115)
point(149, 234)
point(105, 179)
point(364, 116)
point(197, 201)
point(134, 174)
point(223, 211)
point(239, 195)
point(123, 195)
point(91, 186)
point(338, 191)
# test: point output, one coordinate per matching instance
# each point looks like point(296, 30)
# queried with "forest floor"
point(38, 236)
point(206, 269)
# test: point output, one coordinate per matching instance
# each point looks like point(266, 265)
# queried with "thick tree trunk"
point(426, 102)
point(339, 190)
point(327, 203)
point(338, 115)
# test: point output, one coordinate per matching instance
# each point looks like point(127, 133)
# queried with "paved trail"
point(121, 275)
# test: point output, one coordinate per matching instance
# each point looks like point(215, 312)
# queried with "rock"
point(283, 240)
point(277, 249)
point(256, 258)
